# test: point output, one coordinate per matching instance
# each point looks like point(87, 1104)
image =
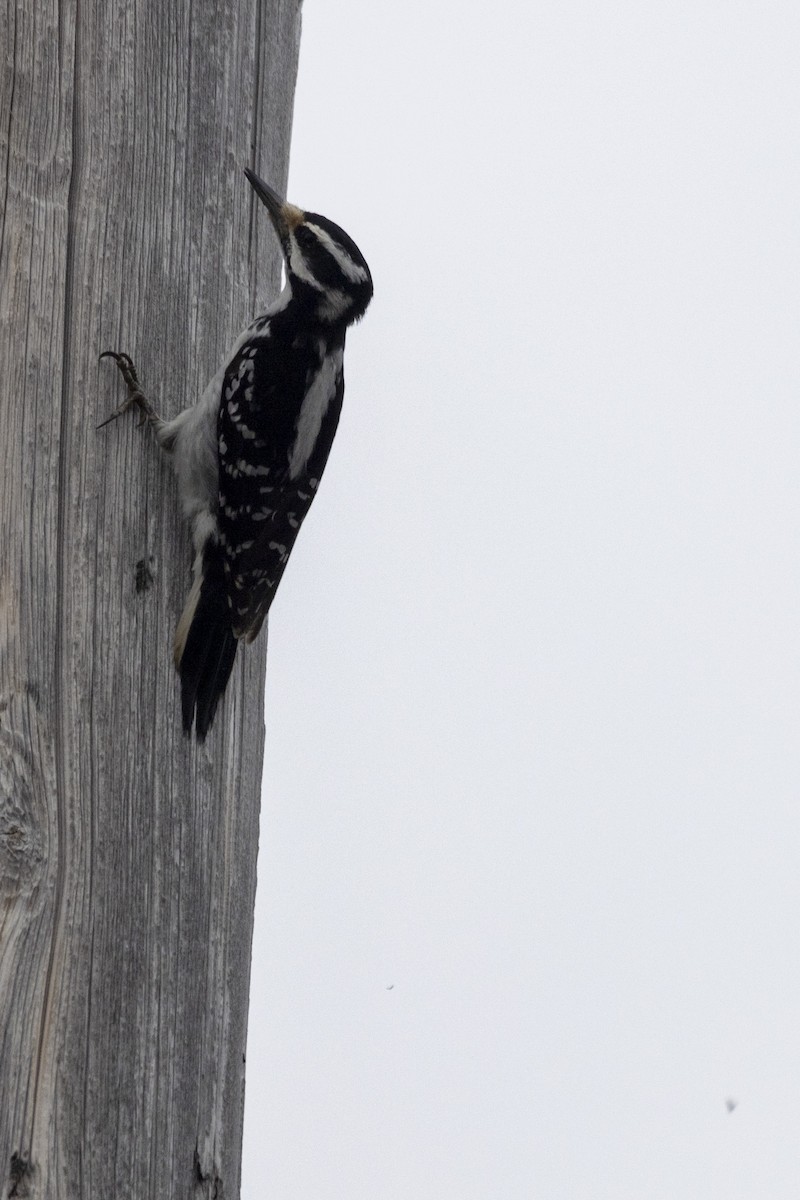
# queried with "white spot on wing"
point(247, 468)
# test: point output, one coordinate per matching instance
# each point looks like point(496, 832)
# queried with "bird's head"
point(325, 268)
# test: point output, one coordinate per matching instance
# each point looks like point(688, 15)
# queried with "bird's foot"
point(135, 394)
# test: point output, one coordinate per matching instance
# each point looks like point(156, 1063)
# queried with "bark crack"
point(10, 116)
point(59, 655)
point(254, 166)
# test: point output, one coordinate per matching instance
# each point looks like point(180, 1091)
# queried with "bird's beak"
point(284, 217)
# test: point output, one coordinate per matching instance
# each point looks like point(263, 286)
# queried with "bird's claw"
point(135, 394)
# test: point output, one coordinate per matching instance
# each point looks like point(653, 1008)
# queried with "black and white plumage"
point(250, 454)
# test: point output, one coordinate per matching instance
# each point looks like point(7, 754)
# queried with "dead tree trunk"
point(127, 854)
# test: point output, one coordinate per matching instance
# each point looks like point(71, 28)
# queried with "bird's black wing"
point(263, 496)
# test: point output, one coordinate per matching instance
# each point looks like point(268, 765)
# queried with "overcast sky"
point(529, 878)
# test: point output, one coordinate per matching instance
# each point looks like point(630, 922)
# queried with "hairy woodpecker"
point(250, 454)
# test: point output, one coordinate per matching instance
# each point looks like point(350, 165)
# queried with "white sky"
point(534, 671)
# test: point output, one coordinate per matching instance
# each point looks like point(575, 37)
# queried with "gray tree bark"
point(127, 853)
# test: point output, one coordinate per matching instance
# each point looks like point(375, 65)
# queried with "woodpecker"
point(249, 455)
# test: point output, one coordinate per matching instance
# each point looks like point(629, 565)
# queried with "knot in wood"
point(22, 812)
point(19, 1176)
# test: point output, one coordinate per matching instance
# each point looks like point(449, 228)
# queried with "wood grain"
point(127, 854)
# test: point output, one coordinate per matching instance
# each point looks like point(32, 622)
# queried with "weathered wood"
point(127, 854)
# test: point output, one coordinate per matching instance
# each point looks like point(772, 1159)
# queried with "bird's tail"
point(205, 647)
